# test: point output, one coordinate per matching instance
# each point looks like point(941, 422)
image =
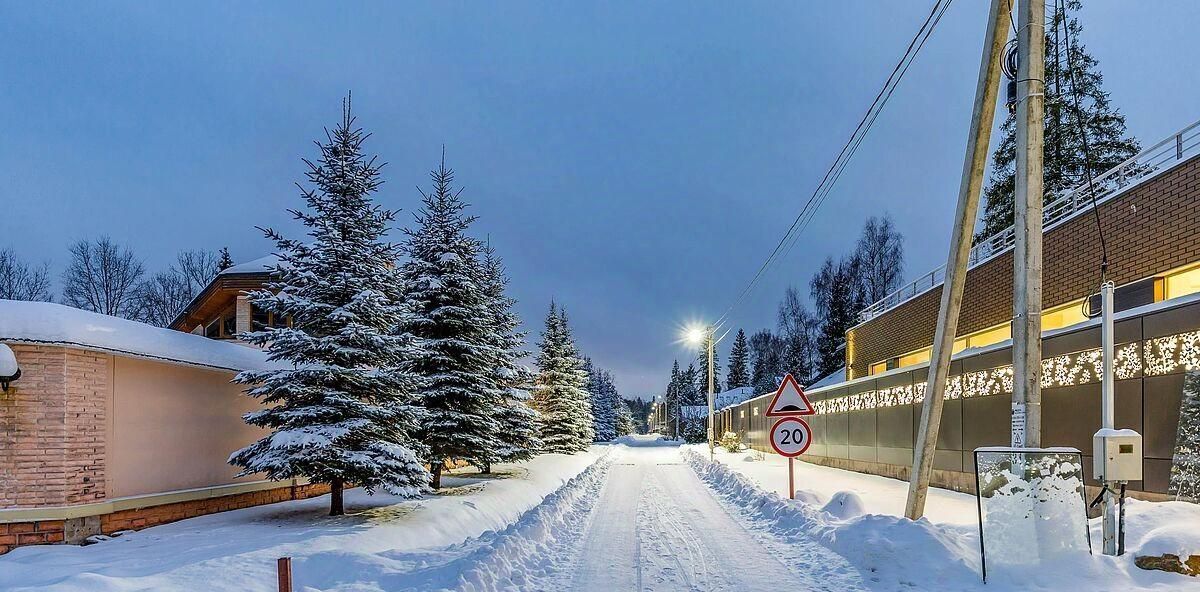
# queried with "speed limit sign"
point(790, 436)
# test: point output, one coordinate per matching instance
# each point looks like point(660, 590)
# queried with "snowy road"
point(656, 526)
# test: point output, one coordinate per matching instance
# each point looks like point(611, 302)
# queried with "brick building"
point(115, 424)
point(1149, 210)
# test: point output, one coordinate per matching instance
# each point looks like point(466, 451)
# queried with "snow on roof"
point(834, 377)
point(260, 265)
point(50, 323)
point(733, 396)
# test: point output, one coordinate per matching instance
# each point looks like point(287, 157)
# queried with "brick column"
point(243, 313)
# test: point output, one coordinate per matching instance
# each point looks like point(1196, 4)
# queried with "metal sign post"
point(791, 435)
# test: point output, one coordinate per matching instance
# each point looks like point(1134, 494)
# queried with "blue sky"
point(635, 161)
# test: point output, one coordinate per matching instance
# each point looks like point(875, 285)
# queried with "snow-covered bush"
point(731, 442)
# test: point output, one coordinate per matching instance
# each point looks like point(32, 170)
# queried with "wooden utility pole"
point(1027, 206)
point(978, 139)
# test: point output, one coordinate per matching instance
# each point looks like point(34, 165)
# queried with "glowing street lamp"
point(696, 336)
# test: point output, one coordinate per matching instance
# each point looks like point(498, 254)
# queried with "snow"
point(940, 551)
point(836, 377)
point(50, 323)
point(382, 543)
point(260, 265)
point(644, 515)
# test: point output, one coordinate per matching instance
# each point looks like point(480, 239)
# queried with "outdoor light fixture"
point(9, 370)
point(695, 335)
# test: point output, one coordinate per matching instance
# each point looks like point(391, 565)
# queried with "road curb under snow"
point(882, 547)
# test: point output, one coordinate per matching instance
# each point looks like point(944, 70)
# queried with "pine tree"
point(604, 400)
point(702, 370)
point(836, 290)
point(226, 261)
point(449, 314)
point(1070, 70)
point(739, 362)
point(339, 407)
point(517, 439)
point(766, 361)
point(561, 396)
point(797, 331)
point(625, 422)
point(673, 399)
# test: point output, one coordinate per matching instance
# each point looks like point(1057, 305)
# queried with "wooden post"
point(791, 479)
point(284, 567)
point(978, 139)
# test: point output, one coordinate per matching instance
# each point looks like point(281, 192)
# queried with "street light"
point(697, 335)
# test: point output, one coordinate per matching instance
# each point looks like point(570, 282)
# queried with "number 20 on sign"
point(790, 437)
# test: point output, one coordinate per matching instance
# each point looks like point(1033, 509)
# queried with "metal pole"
point(791, 479)
point(711, 393)
point(956, 261)
point(1027, 202)
point(1107, 415)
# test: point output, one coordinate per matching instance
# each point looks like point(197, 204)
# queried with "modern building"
point(222, 309)
point(1148, 209)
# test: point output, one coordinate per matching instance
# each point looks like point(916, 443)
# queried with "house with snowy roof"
point(222, 309)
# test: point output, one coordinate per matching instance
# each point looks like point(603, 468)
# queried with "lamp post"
point(706, 334)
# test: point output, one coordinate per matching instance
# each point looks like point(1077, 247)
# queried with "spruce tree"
point(226, 261)
point(560, 396)
point(702, 369)
point(517, 439)
point(625, 423)
point(339, 407)
point(739, 362)
point(766, 361)
point(601, 393)
point(1070, 69)
point(449, 314)
point(836, 290)
point(673, 399)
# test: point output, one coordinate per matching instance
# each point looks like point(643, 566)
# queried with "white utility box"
point(1117, 455)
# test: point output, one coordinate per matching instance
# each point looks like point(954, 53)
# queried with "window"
point(1181, 283)
point(1063, 316)
point(229, 324)
point(917, 357)
point(259, 318)
point(213, 330)
point(742, 414)
point(756, 412)
point(989, 336)
point(879, 367)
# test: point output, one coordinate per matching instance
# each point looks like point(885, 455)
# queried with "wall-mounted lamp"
point(9, 370)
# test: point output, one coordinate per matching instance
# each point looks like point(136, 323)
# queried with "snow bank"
point(50, 323)
point(380, 539)
point(942, 555)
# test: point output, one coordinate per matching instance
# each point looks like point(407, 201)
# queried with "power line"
point(834, 172)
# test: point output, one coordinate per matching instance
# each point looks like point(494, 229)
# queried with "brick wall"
point(1149, 229)
point(52, 425)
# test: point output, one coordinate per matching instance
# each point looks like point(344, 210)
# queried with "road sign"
point(790, 436)
point(789, 400)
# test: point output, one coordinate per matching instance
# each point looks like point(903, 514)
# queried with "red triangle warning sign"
point(789, 400)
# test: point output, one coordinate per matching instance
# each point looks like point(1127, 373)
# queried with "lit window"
point(879, 367)
point(990, 336)
point(917, 357)
point(1181, 283)
point(1063, 316)
point(742, 414)
point(756, 412)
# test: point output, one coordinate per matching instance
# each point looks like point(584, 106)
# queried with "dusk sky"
point(634, 161)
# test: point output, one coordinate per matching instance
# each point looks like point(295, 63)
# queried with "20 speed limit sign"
point(790, 436)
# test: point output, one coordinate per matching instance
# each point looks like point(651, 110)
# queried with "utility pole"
point(978, 139)
point(1027, 205)
point(711, 391)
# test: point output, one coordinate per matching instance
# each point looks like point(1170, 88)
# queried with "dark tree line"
point(808, 344)
point(106, 277)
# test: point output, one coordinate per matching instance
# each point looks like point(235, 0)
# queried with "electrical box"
point(1117, 455)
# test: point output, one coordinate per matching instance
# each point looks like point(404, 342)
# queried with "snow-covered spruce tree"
point(339, 408)
point(739, 362)
point(625, 422)
point(601, 392)
point(560, 394)
point(449, 315)
point(1064, 161)
point(673, 399)
point(517, 438)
